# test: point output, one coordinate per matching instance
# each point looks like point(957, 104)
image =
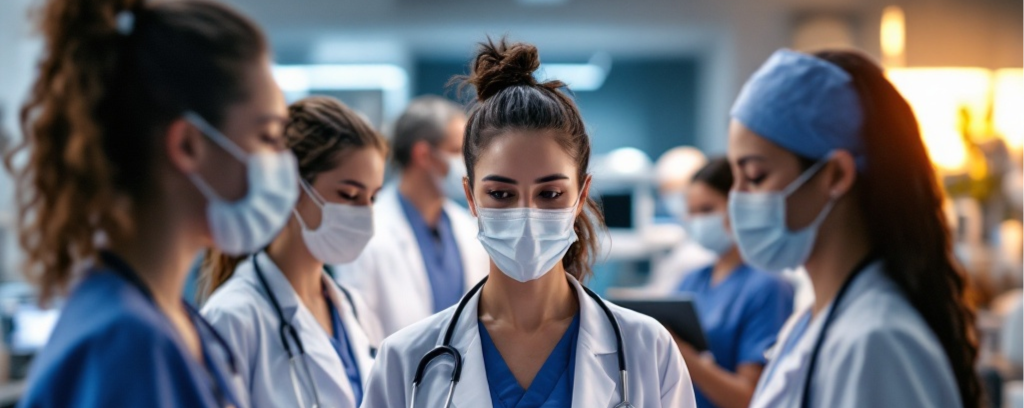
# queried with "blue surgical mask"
point(759, 226)
point(709, 231)
point(451, 183)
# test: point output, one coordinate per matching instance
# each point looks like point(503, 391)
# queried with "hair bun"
point(503, 65)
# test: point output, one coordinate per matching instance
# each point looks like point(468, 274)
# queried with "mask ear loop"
point(313, 195)
point(216, 136)
point(832, 197)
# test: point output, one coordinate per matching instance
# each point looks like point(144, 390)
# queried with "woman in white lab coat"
point(302, 339)
point(831, 174)
point(530, 335)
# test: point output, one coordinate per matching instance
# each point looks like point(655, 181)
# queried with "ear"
point(184, 147)
point(421, 154)
point(584, 196)
point(842, 173)
point(469, 195)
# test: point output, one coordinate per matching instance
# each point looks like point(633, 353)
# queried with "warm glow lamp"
point(951, 104)
point(1008, 107)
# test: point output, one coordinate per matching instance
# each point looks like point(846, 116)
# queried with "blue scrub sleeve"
point(128, 366)
point(764, 318)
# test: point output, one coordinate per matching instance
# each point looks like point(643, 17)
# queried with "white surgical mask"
point(343, 233)
point(759, 226)
point(525, 243)
point(451, 184)
point(709, 231)
point(245, 225)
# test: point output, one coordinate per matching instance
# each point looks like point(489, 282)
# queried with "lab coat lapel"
point(405, 244)
point(596, 372)
point(473, 390)
point(323, 361)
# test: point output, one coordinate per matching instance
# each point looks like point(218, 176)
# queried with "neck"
point(528, 306)
point(161, 249)
point(288, 251)
point(726, 264)
point(837, 251)
point(418, 187)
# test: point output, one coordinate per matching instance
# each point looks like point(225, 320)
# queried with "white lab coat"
point(657, 374)
point(390, 273)
point(879, 353)
point(241, 311)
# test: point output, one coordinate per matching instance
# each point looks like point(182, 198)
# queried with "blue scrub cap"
point(804, 104)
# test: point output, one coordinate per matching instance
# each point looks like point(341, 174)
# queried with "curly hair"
point(113, 76)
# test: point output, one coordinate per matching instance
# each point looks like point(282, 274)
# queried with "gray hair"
point(426, 119)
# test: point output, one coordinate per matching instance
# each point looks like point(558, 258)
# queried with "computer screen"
point(618, 210)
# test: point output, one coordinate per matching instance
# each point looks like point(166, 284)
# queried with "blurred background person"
point(741, 309)
point(831, 173)
point(424, 255)
point(153, 131)
point(330, 334)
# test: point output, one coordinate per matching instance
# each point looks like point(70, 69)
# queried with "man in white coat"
point(424, 255)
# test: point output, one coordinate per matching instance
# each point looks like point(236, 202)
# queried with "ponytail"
point(907, 226)
point(114, 74)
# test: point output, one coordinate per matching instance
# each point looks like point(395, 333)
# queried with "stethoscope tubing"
point(446, 349)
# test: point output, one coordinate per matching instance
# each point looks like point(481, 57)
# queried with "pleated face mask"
point(526, 243)
point(344, 230)
point(759, 226)
point(245, 225)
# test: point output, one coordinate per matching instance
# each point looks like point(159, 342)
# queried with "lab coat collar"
point(596, 369)
point(280, 287)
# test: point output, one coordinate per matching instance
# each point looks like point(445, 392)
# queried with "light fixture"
point(579, 77)
point(951, 105)
point(1008, 107)
point(893, 36)
point(297, 81)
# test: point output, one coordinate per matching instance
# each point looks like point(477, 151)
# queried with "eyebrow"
point(743, 161)
point(550, 178)
point(545, 179)
point(353, 183)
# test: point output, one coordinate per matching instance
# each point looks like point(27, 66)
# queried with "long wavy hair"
point(113, 76)
point(907, 225)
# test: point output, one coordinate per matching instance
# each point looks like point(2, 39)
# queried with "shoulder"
point(880, 319)
point(107, 326)
point(690, 280)
point(759, 280)
point(418, 338)
point(236, 305)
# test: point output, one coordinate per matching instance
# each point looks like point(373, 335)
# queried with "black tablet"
point(676, 313)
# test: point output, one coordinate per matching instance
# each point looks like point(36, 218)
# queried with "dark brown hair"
point(508, 98)
point(320, 130)
point(907, 226)
point(715, 174)
point(114, 75)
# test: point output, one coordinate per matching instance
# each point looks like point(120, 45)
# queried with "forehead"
point(524, 155)
point(744, 143)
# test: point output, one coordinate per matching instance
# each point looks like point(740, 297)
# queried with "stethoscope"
point(446, 349)
point(221, 389)
point(805, 400)
point(286, 330)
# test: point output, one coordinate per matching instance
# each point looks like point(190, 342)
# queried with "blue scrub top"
point(741, 315)
point(441, 256)
point(344, 349)
point(112, 347)
point(551, 387)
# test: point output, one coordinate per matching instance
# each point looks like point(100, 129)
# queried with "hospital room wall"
point(647, 104)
